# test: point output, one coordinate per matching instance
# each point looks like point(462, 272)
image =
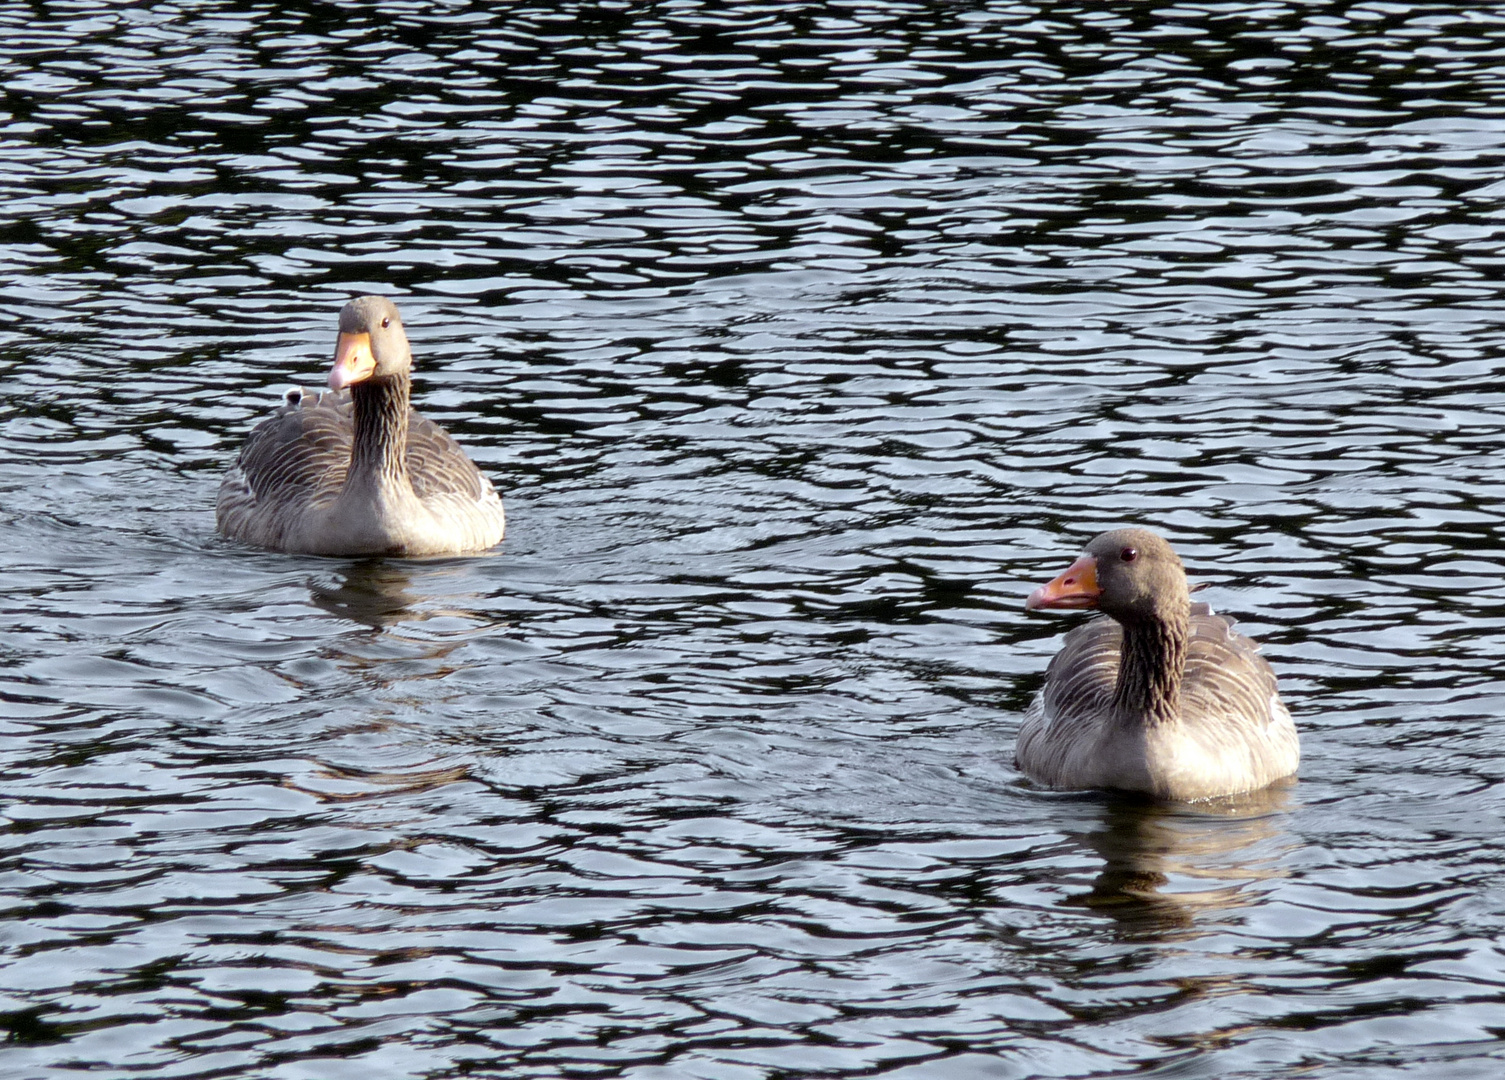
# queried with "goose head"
point(371, 345)
point(1129, 574)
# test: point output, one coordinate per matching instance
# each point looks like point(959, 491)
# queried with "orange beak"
point(353, 361)
point(1076, 588)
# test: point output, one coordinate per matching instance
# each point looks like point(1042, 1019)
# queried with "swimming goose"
point(356, 471)
point(1161, 697)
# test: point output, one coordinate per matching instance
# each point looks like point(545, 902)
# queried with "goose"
point(356, 471)
point(1162, 696)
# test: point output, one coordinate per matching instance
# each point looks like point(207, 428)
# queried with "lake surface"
point(803, 341)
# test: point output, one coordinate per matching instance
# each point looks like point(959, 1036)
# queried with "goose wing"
point(294, 459)
point(1232, 711)
point(1227, 678)
point(1063, 724)
point(1079, 679)
point(438, 466)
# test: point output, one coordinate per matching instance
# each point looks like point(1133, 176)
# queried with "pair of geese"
point(1162, 697)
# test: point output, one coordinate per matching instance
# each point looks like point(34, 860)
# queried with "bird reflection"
point(380, 592)
point(376, 592)
point(419, 615)
point(1165, 863)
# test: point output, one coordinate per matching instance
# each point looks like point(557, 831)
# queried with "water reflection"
point(382, 592)
point(375, 592)
point(1165, 866)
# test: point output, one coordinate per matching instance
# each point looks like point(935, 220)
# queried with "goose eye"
point(386, 321)
point(1128, 554)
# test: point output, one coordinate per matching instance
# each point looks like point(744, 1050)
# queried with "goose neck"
point(379, 452)
point(1151, 665)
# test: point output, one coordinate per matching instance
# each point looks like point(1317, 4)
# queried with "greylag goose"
point(356, 471)
point(1161, 697)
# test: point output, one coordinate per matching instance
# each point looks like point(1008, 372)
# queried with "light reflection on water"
point(801, 342)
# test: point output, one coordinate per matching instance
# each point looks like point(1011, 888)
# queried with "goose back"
point(1233, 734)
point(286, 485)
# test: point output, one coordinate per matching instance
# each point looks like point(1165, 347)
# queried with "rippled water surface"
point(802, 341)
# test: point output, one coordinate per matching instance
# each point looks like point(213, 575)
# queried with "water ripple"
point(802, 342)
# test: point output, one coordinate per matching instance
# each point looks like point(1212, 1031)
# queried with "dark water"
point(802, 341)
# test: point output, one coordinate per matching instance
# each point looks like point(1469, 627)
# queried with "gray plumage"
point(357, 471)
point(1162, 696)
